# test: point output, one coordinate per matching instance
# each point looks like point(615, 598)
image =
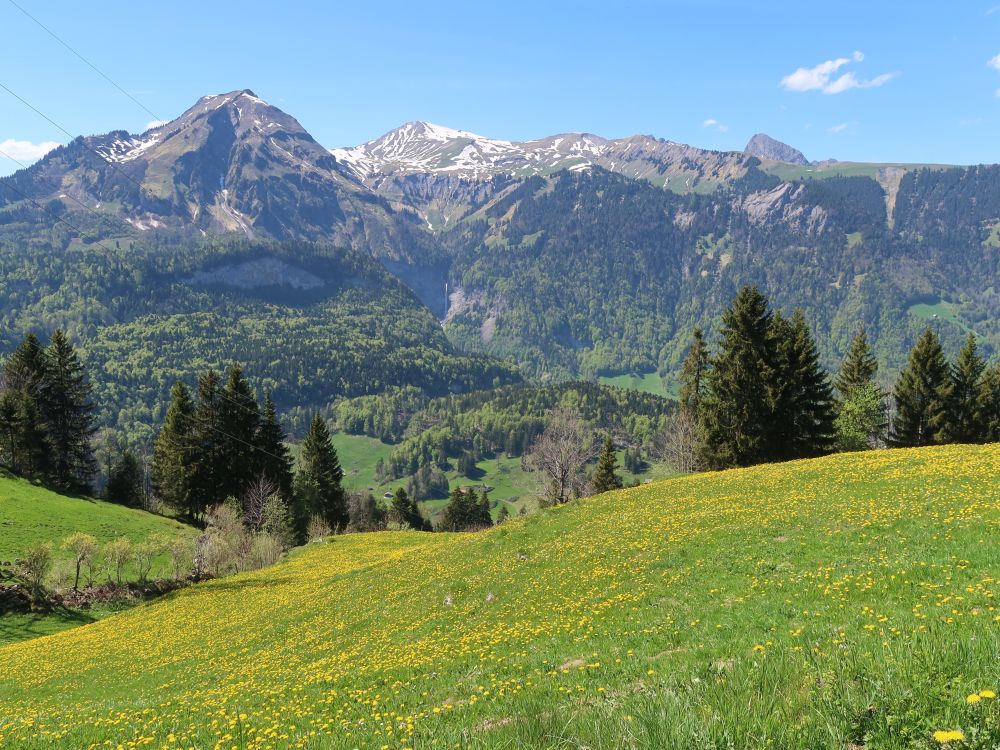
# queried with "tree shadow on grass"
point(24, 626)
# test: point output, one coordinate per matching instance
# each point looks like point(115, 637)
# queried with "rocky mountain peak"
point(764, 146)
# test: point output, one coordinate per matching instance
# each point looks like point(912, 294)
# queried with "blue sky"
point(869, 81)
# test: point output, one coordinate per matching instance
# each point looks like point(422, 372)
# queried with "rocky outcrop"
point(764, 146)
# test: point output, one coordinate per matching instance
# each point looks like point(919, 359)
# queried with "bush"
point(34, 568)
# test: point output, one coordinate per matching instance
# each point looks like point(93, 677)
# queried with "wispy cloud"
point(26, 150)
point(994, 9)
point(155, 124)
point(994, 62)
point(714, 124)
point(823, 77)
point(840, 128)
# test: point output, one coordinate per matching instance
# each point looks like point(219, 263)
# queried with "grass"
point(649, 382)
point(358, 456)
point(30, 515)
point(939, 310)
point(839, 169)
point(841, 602)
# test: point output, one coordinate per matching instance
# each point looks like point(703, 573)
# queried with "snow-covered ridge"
point(423, 147)
point(126, 149)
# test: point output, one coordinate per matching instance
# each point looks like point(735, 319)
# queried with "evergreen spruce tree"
point(24, 376)
point(125, 480)
point(966, 421)
point(736, 410)
point(10, 432)
point(68, 415)
point(318, 482)
point(503, 514)
point(606, 475)
point(483, 519)
point(460, 513)
point(239, 419)
point(858, 368)
point(404, 511)
point(174, 454)
point(922, 393)
point(34, 450)
point(24, 372)
point(802, 420)
point(273, 458)
point(989, 400)
point(693, 376)
point(209, 483)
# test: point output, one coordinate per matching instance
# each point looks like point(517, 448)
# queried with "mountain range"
point(571, 255)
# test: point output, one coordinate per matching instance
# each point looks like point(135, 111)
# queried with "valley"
point(620, 238)
point(571, 424)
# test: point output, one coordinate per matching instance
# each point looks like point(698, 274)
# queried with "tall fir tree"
point(174, 454)
point(239, 420)
point(274, 460)
point(966, 422)
point(461, 512)
point(802, 419)
point(403, 511)
point(736, 411)
point(989, 398)
point(922, 393)
point(24, 376)
point(125, 480)
point(69, 416)
point(858, 368)
point(210, 484)
point(606, 474)
point(694, 374)
point(484, 519)
point(318, 482)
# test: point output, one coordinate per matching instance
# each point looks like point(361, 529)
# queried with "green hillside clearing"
point(30, 515)
point(841, 602)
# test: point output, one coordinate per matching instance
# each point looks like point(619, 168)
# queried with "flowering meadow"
point(842, 602)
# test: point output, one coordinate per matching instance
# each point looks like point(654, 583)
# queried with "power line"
point(107, 160)
point(37, 111)
point(201, 421)
point(39, 206)
point(76, 200)
point(93, 67)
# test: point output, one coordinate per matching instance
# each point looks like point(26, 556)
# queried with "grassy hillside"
point(843, 602)
point(30, 515)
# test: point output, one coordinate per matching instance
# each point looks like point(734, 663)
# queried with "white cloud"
point(839, 128)
point(26, 150)
point(821, 77)
point(155, 124)
point(994, 62)
point(711, 122)
point(848, 81)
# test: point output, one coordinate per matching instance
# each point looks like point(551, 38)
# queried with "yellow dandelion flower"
point(988, 694)
point(972, 698)
point(944, 736)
